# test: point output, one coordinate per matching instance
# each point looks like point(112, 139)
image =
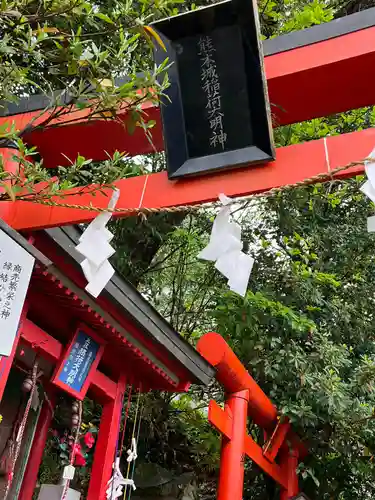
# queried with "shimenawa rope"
point(184, 208)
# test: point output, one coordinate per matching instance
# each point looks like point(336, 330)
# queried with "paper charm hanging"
point(117, 482)
point(368, 188)
point(132, 453)
point(94, 245)
point(225, 249)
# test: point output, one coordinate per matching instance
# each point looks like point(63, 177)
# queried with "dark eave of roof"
point(125, 298)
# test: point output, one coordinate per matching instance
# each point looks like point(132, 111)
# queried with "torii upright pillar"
point(231, 477)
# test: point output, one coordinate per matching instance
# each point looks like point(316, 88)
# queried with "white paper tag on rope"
point(69, 472)
point(240, 279)
point(92, 229)
point(96, 249)
point(101, 278)
point(88, 269)
point(225, 235)
point(225, 248)
point(94, 245)
point(224, 199)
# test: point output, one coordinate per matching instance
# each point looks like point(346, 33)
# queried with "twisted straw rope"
point(73, 450)
point(185, 208)
point(22, 430)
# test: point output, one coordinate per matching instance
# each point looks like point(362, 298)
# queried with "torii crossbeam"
point(310, 74)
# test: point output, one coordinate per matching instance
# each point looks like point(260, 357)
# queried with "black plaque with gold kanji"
point(216, 114)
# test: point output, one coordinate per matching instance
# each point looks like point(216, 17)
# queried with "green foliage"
point(61, 439)
point(305, 328)
point(76, 44)
point(30, 181)
point(73, 51)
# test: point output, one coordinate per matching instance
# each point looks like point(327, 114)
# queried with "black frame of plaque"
point(259, 147)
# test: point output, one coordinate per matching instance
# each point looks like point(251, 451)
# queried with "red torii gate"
point(309, 75)
point(282, 451)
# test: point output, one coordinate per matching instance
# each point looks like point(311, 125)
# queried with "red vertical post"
point(36, 454)
point(106, 446)
point(290, 464)
point(231, 476)
point(7, 361)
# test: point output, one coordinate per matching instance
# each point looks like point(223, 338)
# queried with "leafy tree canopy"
point(305, 328)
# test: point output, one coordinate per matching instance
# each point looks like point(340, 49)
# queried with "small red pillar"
point(36, 454)
point(7, 361)
point(106, 445)
point(231, 477)
point(290, 464)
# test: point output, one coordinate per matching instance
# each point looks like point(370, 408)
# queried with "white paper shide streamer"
point(115, 486)
point(117, 482)
point(368, 188)
point(225, 249)
point(132, 452)
point(95, 247)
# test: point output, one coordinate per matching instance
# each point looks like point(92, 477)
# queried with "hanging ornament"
point(95, 247)
point(75, 420)
point(20, 432)
point(225, 249)
point(117, 482)
point(132, 452)
point(27, 384)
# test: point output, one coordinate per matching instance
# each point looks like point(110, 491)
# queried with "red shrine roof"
point(139, 341)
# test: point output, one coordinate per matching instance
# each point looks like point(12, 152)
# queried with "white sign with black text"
point(16, 266)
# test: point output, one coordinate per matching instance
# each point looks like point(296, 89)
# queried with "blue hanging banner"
point(81, 358)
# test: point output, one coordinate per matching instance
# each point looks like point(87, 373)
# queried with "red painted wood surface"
point(223, 422)
point(51, 349)
point(232, 459)
point(232, 424)
point(304, 83)
point(293, 164)
point(102, 388)
point(140, 356)
point(220, 419)
point(37, 450)
point(80, 395)
point(7, 361)
point(41, 342)
point(254, 451)
point(106, 445)
point(11, 166)
point(322, 78)
point(290, 464)
point(234, 377)
point(272, 447)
